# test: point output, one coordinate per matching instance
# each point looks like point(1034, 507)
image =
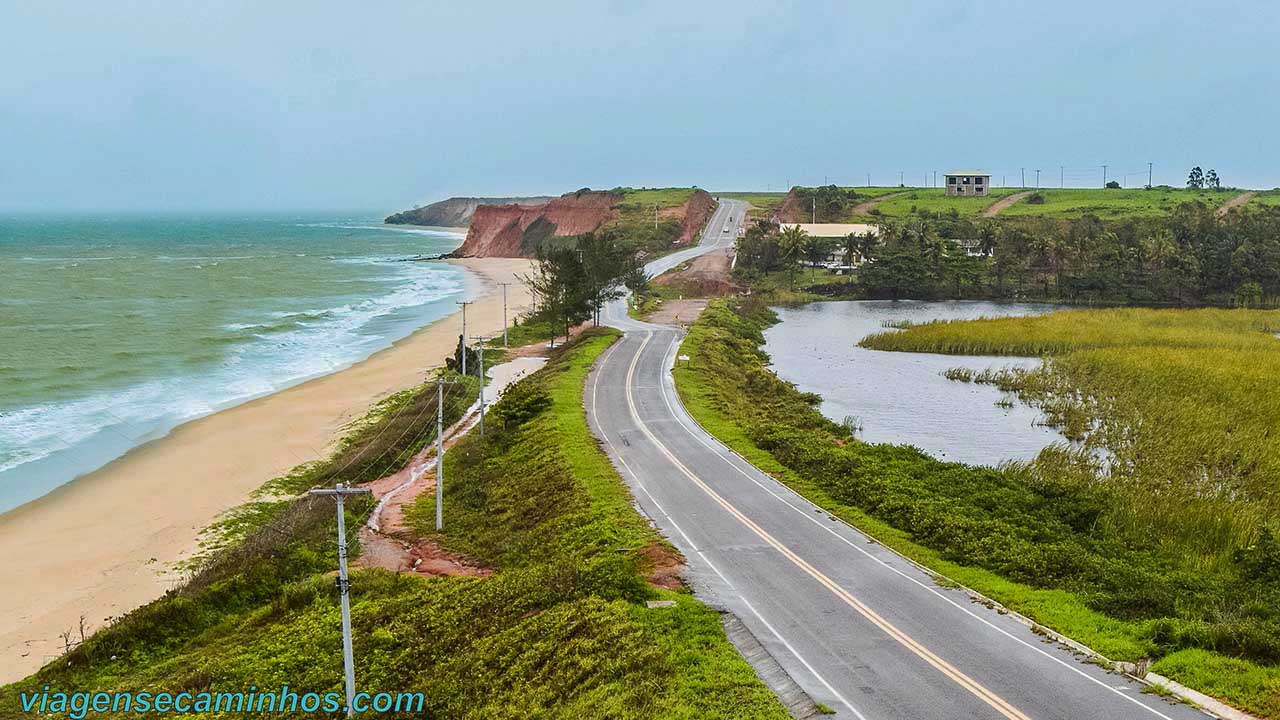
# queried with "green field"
point(1115, 204)
point(936, 200)
point(1268, 197)
point(1173, 556)
point(559, 630)
point(763, 204)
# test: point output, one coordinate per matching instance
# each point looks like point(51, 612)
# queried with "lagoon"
point(902, 398)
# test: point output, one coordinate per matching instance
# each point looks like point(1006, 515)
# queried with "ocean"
point(113, 330)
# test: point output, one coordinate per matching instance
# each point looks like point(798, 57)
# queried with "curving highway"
point(858, 627)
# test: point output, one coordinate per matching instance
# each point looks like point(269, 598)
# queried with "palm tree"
point(791, 243)
point(850, 247)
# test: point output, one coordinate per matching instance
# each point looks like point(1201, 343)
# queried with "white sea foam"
point(279, 349)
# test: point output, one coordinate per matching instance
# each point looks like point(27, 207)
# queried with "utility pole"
point(1104, 176)
point(1149, 176)
point(464, 332)
point(935, 178)
point(1037, 179)
point(440, 383)
point(900, 183)
point(480, 339)
point(815, 210)
point(1062, 177)
point(504, 314)
point(1024, 177)
point(868, 179)
point(344, 586)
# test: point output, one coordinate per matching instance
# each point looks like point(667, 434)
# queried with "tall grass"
point(1182, 402)
point(1063, 539)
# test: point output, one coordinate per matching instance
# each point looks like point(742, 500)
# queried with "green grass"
point(1115, 204)
point(1268, 198)
point(1179, 399)
point(1029, 540)
point(763, 204)
point(936, 200)
point(558, 631)
point(1253, 687)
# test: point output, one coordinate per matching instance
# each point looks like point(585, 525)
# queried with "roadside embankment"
point(108, 542)
point(1029, 539)
point(563, 627)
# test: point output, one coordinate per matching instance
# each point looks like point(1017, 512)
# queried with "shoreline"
point(106, 542)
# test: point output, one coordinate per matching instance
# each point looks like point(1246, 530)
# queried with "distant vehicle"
point(726, 230)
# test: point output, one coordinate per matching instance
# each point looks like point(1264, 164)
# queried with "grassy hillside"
point(559, 630)
point(636, 215)
point(1052, 539)
point(936, 200)
point(1114, 204)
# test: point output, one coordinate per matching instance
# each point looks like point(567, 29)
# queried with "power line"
point(344, 587)
point(464, 305)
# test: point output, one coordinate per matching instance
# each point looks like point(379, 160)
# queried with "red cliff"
point(794, 209)
point(694, 214)
point(516, 230)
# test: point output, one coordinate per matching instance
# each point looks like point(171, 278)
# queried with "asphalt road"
point(855, 625)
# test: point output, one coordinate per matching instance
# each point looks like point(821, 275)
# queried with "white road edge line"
point(810, 517)
point(595, 383)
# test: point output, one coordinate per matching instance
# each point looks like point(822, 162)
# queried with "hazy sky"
point(292, 105)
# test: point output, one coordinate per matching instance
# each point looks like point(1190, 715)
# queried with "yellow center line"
point(995, 701)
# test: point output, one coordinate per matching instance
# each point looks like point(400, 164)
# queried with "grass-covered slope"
point(1034, 537)
point(559, 630)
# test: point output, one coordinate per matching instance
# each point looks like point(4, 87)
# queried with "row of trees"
point(1198, 179)
point(1189, 257)
point(574, 277)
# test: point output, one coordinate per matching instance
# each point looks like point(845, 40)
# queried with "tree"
point(850, 247)
point(559, 280)
point(1113, 185)
point(791, 242)
point(1211, 180)
point(1195, 180)
point(815, 249)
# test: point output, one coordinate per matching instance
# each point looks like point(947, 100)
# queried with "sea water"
point(113, 330)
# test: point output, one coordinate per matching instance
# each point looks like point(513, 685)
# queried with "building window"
point(978, 180)
point(951, 179)
point(960, 190)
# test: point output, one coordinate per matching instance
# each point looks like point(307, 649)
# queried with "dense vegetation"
point(557, 631)
point(1176, 404)
point(1188, 257)
point(1051, 539)
point(575, 276)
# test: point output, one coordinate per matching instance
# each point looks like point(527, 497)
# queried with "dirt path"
point(1005, 203)
point(864, 208)
point(386, 540)
point(1235, 202)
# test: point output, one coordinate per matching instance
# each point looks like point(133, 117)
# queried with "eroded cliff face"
point(456, 211)
point(694, 214)
point(516, 230)
point(794, 209)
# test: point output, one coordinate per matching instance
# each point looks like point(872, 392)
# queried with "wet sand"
point(105, 543)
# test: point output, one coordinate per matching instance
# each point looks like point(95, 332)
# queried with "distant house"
point(834, 259)
point(833, 230)
point(968, 182)
point(970, 246)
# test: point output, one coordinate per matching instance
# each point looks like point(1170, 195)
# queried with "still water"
point(902, 398)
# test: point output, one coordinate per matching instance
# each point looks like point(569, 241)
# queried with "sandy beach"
point(105, 543)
